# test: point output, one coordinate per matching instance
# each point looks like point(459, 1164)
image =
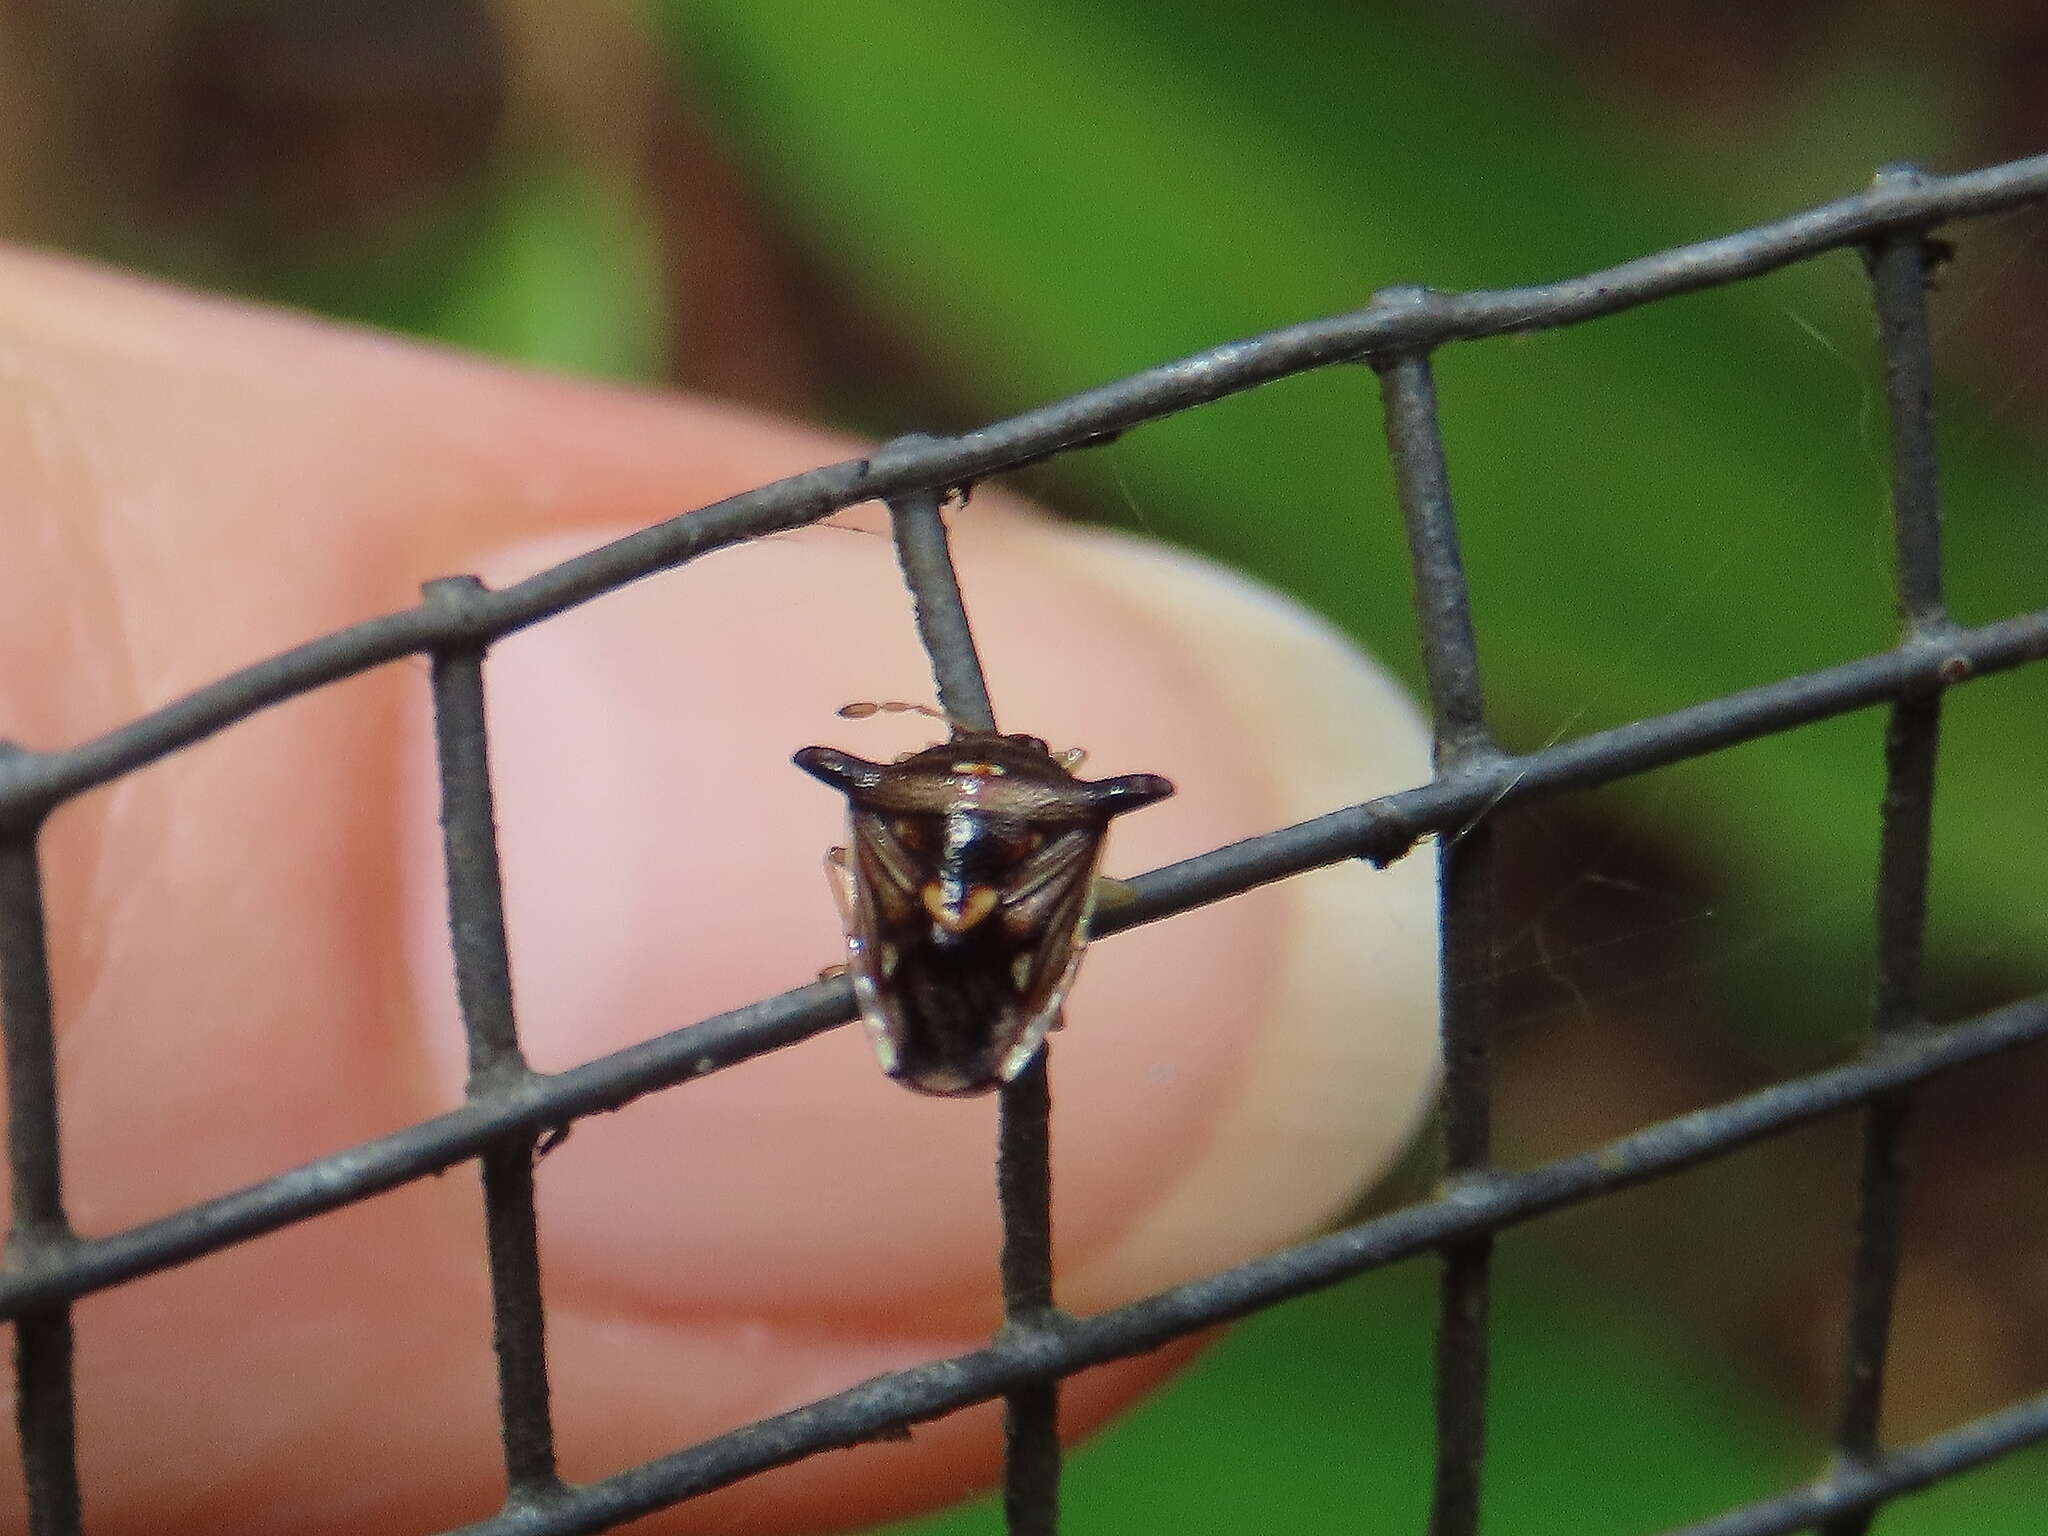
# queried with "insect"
point(965, 890)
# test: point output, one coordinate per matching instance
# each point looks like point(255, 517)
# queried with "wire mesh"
point(509, 1108)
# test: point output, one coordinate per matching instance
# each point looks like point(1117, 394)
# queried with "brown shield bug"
point(965, 888)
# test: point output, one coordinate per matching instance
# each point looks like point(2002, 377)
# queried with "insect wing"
point(963, 1013)
point(1045, 916)
point(876, 882)
point(932, 1002)
point(863, 961)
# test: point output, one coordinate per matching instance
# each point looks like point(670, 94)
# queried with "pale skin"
point(249, 973)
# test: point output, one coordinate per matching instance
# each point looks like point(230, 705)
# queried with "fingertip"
point(1346, 1059)
point(1229, 1079)
point(237, 997)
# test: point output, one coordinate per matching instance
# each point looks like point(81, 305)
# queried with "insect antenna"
point(866, 710)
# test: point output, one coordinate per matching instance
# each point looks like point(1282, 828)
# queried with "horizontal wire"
point(1379, 830)
point(33, 783)
point(1862, 1486)
point(1485, 1203)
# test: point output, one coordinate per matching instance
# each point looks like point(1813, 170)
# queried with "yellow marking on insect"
point(982, 770)
point(973, 907)
point(1109, 893)
point(1020, 972)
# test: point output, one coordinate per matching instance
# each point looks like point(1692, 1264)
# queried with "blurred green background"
point(903, 214)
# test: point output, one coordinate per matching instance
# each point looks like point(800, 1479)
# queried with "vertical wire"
point(1467, 908)
point(483, 985)
point(1899, 269)
point(45, 1409)
point(1031, 1442)
point(925, 553)
point(1031, 1447)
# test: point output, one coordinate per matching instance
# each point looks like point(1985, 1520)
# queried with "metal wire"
point(508, 1106)
point(1491, 1203)
point(483, 988)
point(1469, 928)
point(1899, 267)
point(44, 1411)
point(1031, 1447)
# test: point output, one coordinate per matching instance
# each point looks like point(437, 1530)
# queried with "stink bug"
point(965, 892)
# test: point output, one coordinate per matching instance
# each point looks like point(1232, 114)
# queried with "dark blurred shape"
point(1749, 74)
point(749, 318)
point(237, 130)
point(1709, 64)
point(305, 122)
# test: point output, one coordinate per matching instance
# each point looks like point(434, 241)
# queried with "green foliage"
point(1316, 1417)
point(568, 277)
point(1658, 508)
point(545, 262)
